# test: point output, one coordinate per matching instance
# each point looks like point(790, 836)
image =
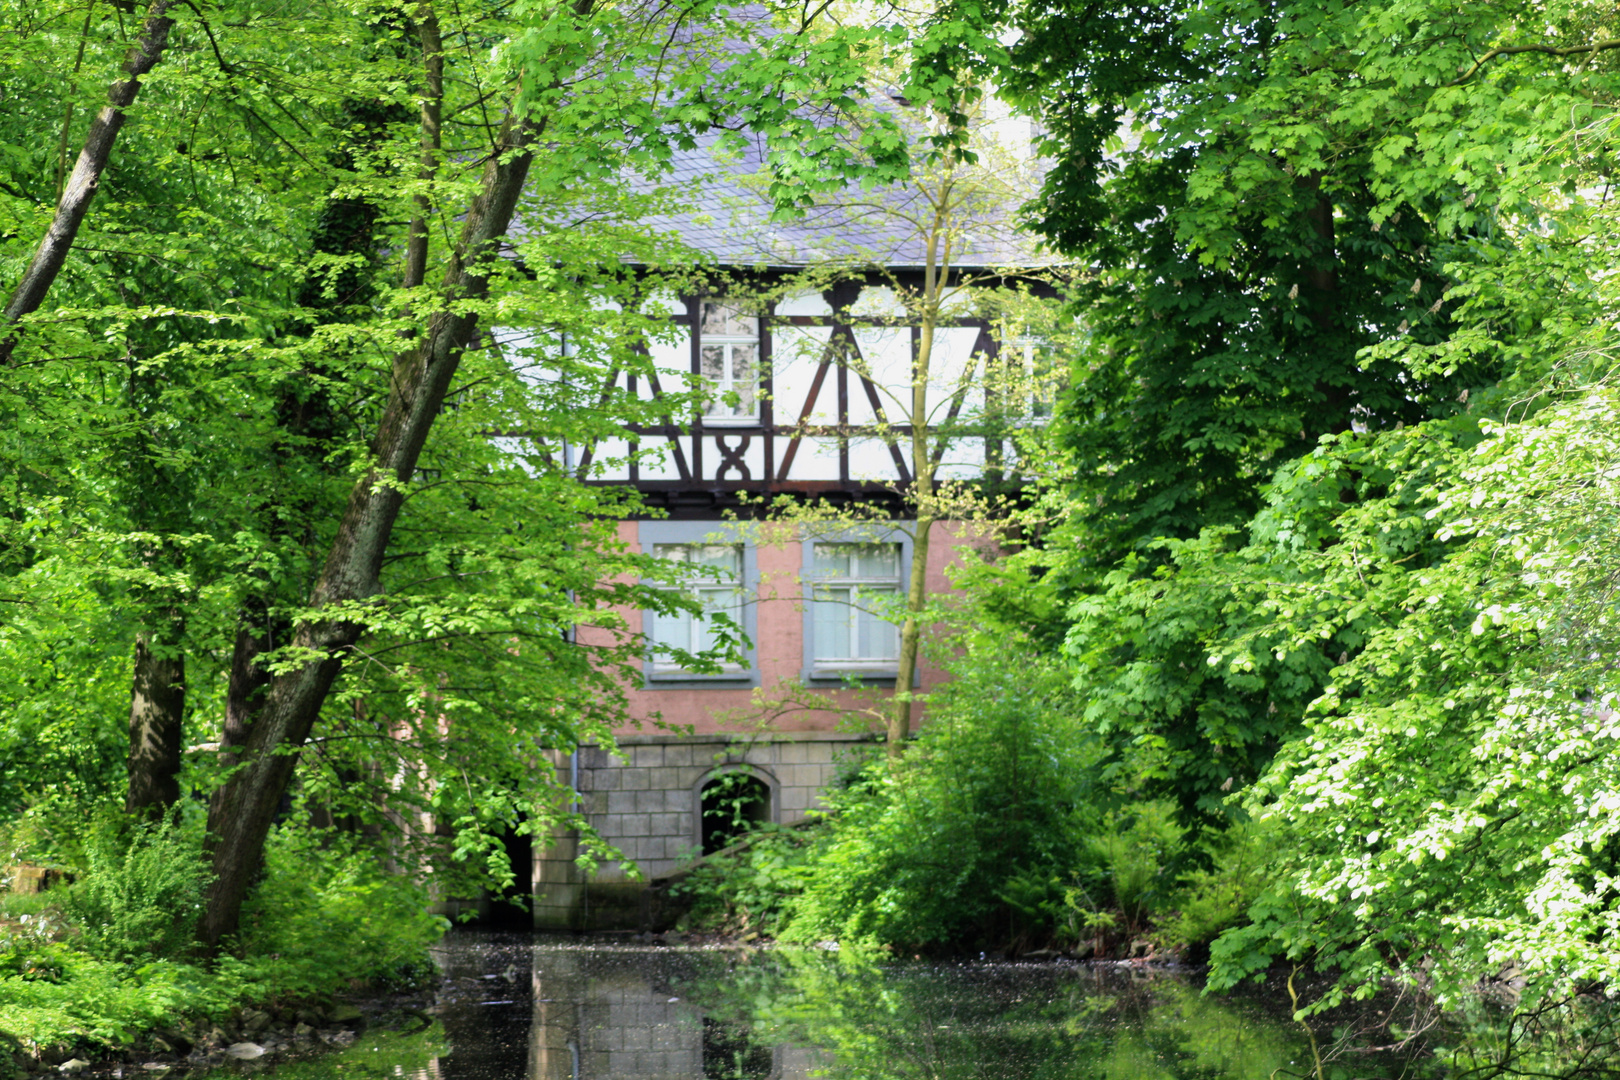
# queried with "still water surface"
point(516, 1007)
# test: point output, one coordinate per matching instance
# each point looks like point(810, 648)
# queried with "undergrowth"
point(90, 966)
point(999, 828)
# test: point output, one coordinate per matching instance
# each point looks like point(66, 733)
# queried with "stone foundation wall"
point(647, 805)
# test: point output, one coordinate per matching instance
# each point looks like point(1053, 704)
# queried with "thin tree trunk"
point(157, 710)
point(910, 639)
point(922, 472)
point(243, 809)
point(86, 178)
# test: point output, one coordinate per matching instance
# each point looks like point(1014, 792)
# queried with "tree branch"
point(1546, 50)
point(81, 187)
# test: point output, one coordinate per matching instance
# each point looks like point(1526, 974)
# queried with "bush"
point(141, 893)
point(327, 913)
point(1131, 852)
point(752, 886)
point(1214, 900)
point(998, 785)
point(103, 962)
point(1118, 881)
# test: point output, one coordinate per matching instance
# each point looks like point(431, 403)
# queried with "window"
point(728, 359)
point(1040, 368)
point(724, 577)
point(719, 595)
point(850, 584)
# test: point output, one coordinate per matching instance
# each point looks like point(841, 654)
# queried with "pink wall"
point(779, 647)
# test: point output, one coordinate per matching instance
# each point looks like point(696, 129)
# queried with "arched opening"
point(511, 906)
point(731, 804)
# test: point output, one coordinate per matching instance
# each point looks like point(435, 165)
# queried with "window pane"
point(855, 583)
point(832, 624)
point(858, 561)
point(879, 639)
point(832, 560)
point(879, 560)
point(702, 635)
point(673, 630)
point(695, 633)
point(727, 557)
point(712, 363)
point(723, 600)
point(721, 318)
point(742, 374)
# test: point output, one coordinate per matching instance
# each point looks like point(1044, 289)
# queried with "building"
point(805, 336)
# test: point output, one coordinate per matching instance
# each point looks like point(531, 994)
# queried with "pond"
point(521, 1007)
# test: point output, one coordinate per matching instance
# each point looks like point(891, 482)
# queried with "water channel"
point(520, 1007)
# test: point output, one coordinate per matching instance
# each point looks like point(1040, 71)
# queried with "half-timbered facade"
point(803, 404)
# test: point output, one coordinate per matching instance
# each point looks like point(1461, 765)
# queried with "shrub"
point(998, 784)
point(141, 892)
point(1131, 852)
point(1117, 881)
point(101, 963)
point(327, 913)
point(751, 887)
point(1214, 900)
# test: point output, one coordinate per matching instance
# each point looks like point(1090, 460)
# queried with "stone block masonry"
point(647, 804)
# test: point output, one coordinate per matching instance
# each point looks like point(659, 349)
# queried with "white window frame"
point(824, 670)
point(660, 670)
point(716, 412)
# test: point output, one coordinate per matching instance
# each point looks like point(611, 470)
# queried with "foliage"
point(330, 909)
point(1186, 668)
point(1449, 798)
point(1132, 850)
point(104, 961)
point(999, 782)
point(141, 892)
point(1209, 901)
point(62, 673)
point(748, 889)
point(1334, 537)
point(102, 1003)
point(1237, 277)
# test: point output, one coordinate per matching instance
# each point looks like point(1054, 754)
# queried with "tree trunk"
point(81, 186)
point(157, 711)
point(416, 247)
point(922, 495)
point(899, 729)
point(1322, 277)
point(248, 680)
point(242, 811)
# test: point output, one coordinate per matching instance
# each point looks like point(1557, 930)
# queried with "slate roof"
point(730, 220)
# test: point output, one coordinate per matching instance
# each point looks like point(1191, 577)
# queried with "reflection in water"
point(515, 1007)
point(730, 1053)
point(556, 1008)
